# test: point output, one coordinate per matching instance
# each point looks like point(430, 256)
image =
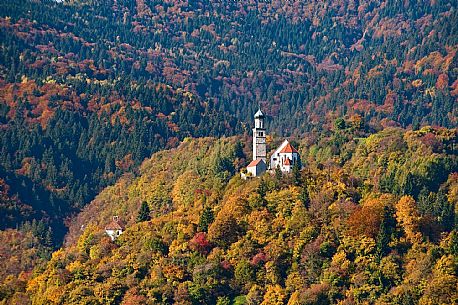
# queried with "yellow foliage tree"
point(184, 189)
point(443, 287)
point(409, 218)
point(275, 295)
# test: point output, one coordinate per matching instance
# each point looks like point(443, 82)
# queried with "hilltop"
point(372, 225)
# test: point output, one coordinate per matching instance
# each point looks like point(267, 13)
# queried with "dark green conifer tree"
point(206, 219)
point(144, 212)
point(297, 179)
point(304, 197)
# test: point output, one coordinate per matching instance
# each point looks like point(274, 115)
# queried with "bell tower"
point(259, 137)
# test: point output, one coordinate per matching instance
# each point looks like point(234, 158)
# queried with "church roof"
point(255, 162)
point(259, 114)
point(287, 162)
point(288, 149)
point(115, 224)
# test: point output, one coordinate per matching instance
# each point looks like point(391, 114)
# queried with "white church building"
point(285, 157)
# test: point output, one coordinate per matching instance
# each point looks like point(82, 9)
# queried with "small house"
point(256, 167)
point(115, 228)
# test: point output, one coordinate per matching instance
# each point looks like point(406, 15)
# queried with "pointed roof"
point(288, 148)
point(255, 162)
point(279, 148)
point(259, 114)
point(115, 224)
point(287, 162)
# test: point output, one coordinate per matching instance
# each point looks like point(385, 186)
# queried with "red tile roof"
point(254, 163)
point(288, 149)
point(287, 162)
point(115, 224)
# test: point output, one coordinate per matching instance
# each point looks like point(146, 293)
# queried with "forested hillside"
point(89, 88)
point(325, 235)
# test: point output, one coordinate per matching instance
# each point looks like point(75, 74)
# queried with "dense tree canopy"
point(223, 240)
point(90, 88)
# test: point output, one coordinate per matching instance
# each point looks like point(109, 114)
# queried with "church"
point(284, 158)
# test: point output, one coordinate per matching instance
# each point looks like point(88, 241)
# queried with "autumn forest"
point(143, 109)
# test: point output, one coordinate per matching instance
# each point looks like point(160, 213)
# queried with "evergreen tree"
point(384, 235)
point(304, 197)
point(409, 185)
point(238, 150)
point(48, 239)
point(144, 212)
point(297, 179)
point(262, 189)
point(339, 124)
point(206, 219)
point(444, 211)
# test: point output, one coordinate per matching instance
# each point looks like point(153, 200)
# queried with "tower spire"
point(259, 136)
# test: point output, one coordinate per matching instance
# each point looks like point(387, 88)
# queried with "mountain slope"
point(392, 62)
point(324, 236)
point(88, 89)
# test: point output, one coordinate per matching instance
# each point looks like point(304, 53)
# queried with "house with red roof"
point(115, 228)
point(256, 168)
